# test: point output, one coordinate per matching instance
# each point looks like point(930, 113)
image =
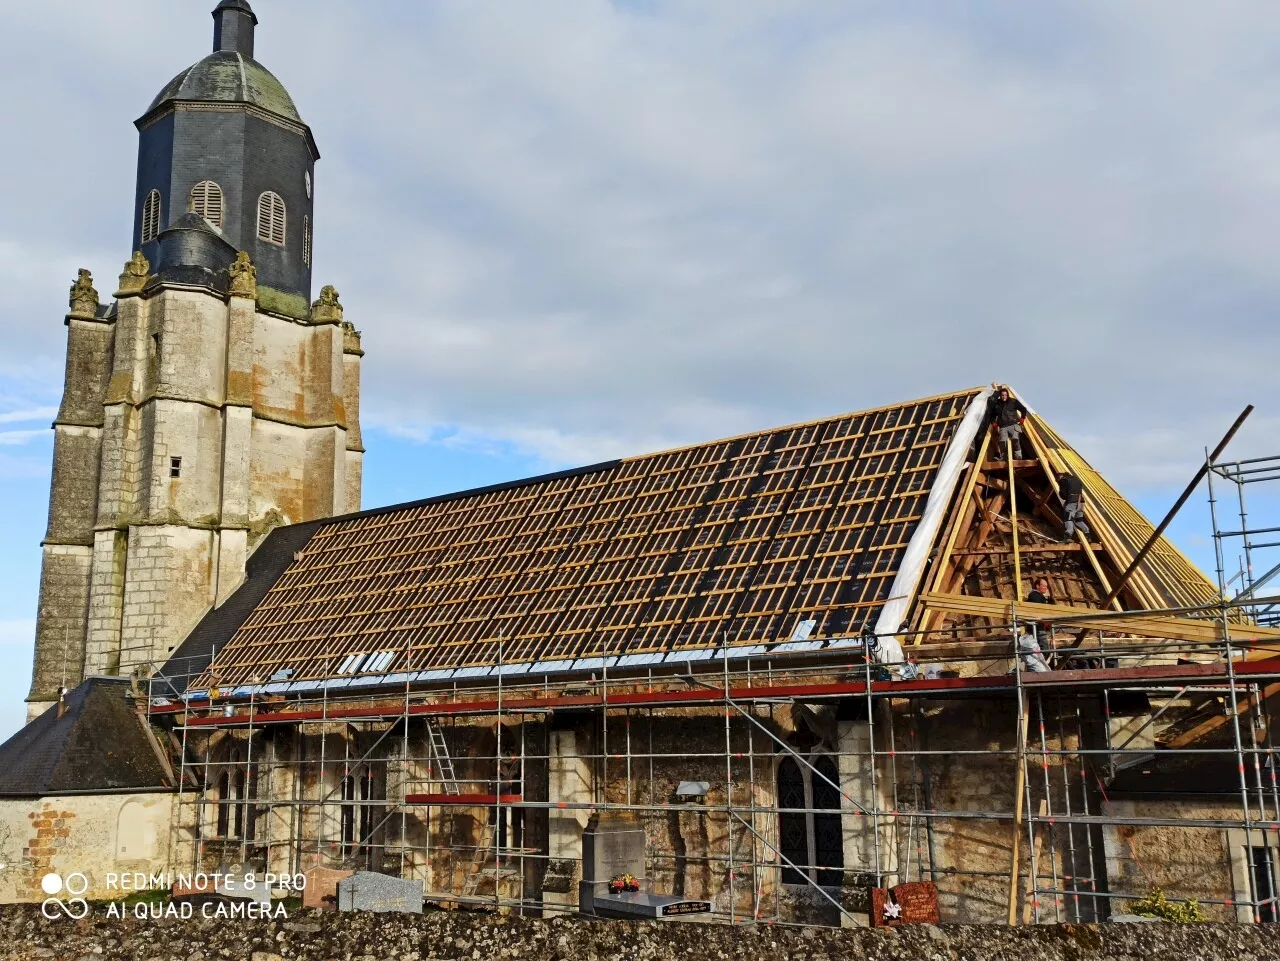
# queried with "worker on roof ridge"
point(1007, 413)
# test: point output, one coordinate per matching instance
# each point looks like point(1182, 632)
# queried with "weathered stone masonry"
point(192, 422)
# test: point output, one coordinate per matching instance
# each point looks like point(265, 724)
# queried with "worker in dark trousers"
point(1006, 413)
point(1072, 490)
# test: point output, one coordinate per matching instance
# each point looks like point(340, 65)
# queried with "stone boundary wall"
point(475, 936)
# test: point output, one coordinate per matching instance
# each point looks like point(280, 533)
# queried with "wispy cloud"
point(22, 416)
point(13, 438)
point(606, 228)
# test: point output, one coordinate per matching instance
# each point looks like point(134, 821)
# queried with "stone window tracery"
point(809, 830)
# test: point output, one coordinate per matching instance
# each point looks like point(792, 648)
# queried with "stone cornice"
point(87, 425)
point(196, 525)
point(228, 106)
point(87, 319)
point(259, 414)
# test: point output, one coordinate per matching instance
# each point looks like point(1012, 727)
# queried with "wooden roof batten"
point(777, 541)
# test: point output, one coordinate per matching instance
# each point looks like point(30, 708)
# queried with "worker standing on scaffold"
point(1007, 413)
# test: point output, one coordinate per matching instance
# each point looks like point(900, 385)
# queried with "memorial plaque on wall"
point(915, 902)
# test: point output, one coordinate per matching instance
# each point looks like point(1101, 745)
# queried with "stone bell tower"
point(209, 400)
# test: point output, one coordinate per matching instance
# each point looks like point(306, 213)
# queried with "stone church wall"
point(94, 834)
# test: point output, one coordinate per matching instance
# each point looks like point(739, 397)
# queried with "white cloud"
point(13, 438)
point(586, 229)
point(22, 416)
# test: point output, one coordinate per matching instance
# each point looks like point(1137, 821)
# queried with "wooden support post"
point(1013, 523)
point(1020, 787)
point(1043, 455)
point(1036, 849)
point(1020, 781)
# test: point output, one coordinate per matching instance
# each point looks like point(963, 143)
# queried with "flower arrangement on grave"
point(624, 883)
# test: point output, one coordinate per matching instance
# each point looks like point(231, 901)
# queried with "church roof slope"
point(781, 542)
point(735, 541)
point(96, 745)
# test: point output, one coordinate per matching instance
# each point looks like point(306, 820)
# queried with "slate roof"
point(97, 745)
point(226, 76)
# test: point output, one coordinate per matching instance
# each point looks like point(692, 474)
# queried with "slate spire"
point(233, 23)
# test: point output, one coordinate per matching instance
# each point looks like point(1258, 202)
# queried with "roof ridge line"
point(806, 423)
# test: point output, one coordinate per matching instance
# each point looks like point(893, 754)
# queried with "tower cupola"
point(223, 149)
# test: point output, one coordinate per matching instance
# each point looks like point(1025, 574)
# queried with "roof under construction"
point(787, 540)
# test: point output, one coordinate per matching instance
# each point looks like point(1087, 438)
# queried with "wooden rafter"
point(962, 516)
point(1209, 725)
point(1188, 629)
point(1081, 538)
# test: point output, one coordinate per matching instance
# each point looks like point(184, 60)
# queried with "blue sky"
point(577, 229)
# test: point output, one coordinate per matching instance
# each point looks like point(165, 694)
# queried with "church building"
point(868, 669)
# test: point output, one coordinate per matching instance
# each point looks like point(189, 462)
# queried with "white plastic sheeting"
point(935, 509)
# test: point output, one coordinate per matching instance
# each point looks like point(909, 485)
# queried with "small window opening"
point(306, 240)
point(151, 217)
point(206, 200)
point(175, 466)
point(271, 218)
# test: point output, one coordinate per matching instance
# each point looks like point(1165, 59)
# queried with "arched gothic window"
point(809, 834)
point(151, 217)
point(206, 200)
point(271, 218)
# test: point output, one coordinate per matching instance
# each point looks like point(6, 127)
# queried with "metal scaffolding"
point(452, 785)
point(1244, 584)
point(781, 786)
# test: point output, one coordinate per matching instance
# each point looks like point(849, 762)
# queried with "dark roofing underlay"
point(735, 541)
point(97, 745)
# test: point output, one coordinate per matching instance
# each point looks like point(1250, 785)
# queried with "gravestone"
point(370, 891)
point(322, 887)
point(613, 844)
point(916, 903)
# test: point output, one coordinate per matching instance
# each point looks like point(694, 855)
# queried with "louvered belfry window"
point(206, 200)
point(271, 218)
point(151, 217)
point(306, 240)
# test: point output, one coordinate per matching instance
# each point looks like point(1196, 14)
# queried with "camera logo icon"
point(75, 885)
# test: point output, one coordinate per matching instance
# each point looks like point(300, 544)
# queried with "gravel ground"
point(465, 936)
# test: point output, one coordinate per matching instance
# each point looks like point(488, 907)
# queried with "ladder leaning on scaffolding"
point(448, 778)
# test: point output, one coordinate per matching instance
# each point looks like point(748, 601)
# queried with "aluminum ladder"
point(440, 754)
